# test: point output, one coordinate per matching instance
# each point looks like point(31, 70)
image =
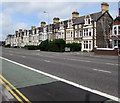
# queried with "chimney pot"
point(43, 23)
point(55, 20)
point(105, 7)
point(75, 14)
point(32, 27)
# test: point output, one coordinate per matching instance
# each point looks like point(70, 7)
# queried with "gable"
point(106, 14)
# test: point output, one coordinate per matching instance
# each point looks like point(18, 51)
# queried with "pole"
point(48, 23)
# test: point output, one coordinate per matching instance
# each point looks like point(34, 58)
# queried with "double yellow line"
point(5, 82)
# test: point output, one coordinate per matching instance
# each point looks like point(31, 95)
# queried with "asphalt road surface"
point(95, 72)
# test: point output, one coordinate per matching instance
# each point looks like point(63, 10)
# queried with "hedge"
point(74, 46)
point(31, 47)
point(44, 45)
point(57, 45)
point(8, 46)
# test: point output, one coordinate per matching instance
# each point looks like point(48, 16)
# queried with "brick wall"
point(99, 51)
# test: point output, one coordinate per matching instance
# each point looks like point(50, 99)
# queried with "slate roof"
point(117, 18)
point(94, 16)
point(57, 25)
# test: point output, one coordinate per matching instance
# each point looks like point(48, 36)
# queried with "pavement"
point(98, 73)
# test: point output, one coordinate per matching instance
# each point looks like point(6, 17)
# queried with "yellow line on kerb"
point(8, 88)
point(15, 89)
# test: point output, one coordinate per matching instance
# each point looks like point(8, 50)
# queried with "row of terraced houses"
point(92, 30)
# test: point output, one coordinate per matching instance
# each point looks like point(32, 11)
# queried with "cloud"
point(114, 13)
point(62, 10)
point(28, 9)
point(59, 0)
point(21, 26)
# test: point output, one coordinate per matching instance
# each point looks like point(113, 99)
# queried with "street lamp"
point(48, 23)
point(48, 15)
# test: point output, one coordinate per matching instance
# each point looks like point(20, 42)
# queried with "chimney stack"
point(75, 15)
point(55, 20)
point(43, 24)
point(16, 32)
point(20, 30)
point(32, 27)
point(104, 7)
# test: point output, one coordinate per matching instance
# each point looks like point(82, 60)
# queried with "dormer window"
point(87, 20)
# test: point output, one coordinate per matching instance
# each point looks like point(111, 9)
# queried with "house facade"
point(115, 34)
point(92, 30)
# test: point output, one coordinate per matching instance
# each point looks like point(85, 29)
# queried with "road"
point(95, 72)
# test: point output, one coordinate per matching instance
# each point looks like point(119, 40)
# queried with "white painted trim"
point(66, 81)
point(105, 48)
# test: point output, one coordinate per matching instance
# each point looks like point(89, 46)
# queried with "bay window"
point(88, 44)
point(85, 44)
point(80, 33)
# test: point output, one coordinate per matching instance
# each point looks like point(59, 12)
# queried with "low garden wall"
point(106, 51)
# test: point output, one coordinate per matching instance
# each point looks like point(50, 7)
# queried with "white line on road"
point(111, 64)
point(47, 61)
point(38, 54)
point(11, 54)
point(102, 70)
point(23, 56)
point(77, 60)
point(66, 81)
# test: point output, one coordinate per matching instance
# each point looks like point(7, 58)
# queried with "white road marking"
point(38, 54)
point(47, 61)
point(111, 64)
point(11, 54)
point(77, 60)
point(23, 56)
point(102, 70)
point(66, 81)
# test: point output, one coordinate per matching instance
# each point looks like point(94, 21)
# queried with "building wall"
point(103, 31)
point(80, 33)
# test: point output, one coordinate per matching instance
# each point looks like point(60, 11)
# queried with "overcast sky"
point(16, 15)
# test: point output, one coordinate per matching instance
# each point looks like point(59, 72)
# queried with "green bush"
point(74, 46)
point(8, 46)
point(53, 47)
point(31, 47)
point(44, 45)
point(60, 45)
point(57, 45)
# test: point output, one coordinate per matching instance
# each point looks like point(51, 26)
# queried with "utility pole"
point(48, 24)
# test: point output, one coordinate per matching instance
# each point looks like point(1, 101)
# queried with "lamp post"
point(48, 23)
point(47, 15)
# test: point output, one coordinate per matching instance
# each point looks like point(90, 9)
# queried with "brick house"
point(90, 30)
point(115, 35)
